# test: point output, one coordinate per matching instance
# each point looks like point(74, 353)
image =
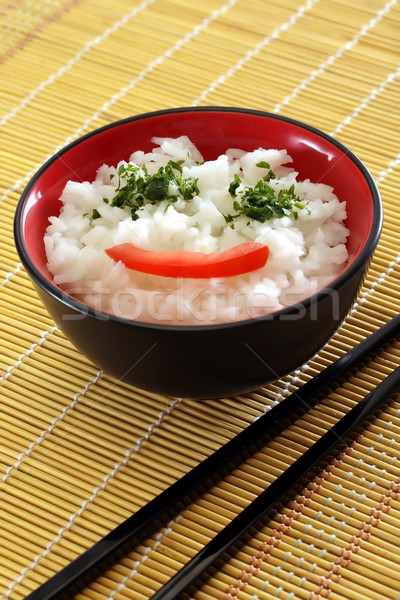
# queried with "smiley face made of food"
point(252, 235)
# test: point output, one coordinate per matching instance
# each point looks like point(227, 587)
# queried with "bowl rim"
point(362, 259)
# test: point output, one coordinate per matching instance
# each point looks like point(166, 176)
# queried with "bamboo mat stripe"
point(79, 451)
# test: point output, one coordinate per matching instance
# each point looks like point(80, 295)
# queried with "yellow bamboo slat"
point(80, 452)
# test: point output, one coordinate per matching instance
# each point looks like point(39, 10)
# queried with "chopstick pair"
point(84, 569)
point(277, 490)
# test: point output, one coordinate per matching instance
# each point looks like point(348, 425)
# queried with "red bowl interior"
point(315, 156)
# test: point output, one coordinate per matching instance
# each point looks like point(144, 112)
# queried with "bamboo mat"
point(80, 451)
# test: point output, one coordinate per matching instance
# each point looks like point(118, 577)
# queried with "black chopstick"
point(278, 489)
point(89, 565)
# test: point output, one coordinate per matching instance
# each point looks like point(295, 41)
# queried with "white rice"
point(305, 254)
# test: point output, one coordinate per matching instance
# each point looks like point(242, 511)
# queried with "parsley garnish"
point(264, 165)
point(262, 201)
point(234, 185)
point(136, 187)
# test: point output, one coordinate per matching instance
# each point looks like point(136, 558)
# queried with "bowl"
point(214, 360)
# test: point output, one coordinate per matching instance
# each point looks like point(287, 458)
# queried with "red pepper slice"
point(246, 257)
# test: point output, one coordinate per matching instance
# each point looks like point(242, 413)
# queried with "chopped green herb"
point(176, 165)
point(234, 185)
point(264, 165)
point(270, 175)
point(298, 205)
point(156, 188)
point(136, 187)
point(187, 187)
point(262, 202)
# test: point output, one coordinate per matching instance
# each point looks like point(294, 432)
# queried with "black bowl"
point(203, 361)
